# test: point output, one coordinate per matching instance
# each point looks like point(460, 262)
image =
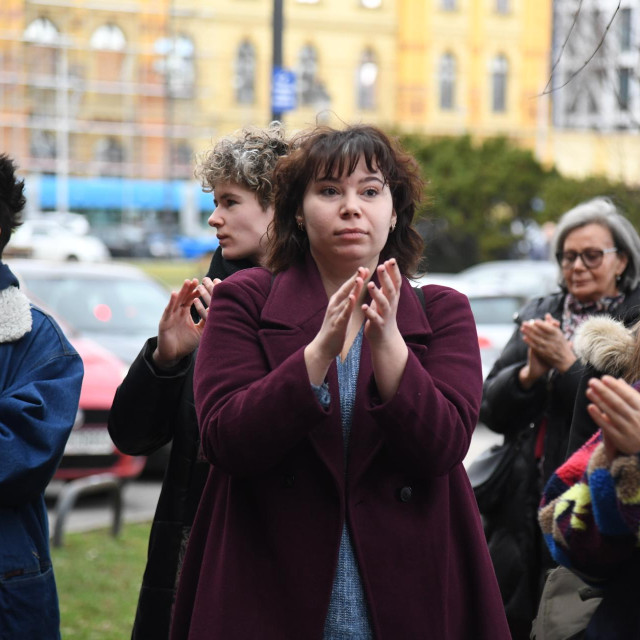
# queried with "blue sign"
point(283, 90)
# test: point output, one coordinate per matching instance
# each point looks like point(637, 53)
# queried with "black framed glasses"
point(591, 258)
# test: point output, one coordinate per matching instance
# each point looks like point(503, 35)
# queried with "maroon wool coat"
point(263, 550)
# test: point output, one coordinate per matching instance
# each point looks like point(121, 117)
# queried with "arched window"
point(245, 73)
point(42, 31)
point(108, 37)
point(499, 78)
point(44, 39)
point(447, 82)
point(502, 6)
point(176, 63)
point(367, 80)
point(109, 43)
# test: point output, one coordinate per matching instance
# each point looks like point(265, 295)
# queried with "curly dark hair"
point(325, 151)
point(247, 158)
point(12, 200)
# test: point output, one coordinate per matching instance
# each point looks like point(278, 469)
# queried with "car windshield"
point(101, 305)
point(495, 309)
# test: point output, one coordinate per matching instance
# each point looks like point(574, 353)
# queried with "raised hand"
point(178, 334)
point(328, 343)
point(380, 314)
point(615, 408)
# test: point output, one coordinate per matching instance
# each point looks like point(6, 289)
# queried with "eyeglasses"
point(591, 258)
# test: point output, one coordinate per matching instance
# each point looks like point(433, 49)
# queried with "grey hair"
point(248, 158)
point(602, 211)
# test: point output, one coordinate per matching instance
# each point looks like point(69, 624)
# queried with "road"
point(141, 496)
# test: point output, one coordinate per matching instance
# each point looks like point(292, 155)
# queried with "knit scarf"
point(575, 312)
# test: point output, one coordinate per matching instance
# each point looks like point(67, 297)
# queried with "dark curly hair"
point(325, 151)
point(12, 200)
point(247, 158)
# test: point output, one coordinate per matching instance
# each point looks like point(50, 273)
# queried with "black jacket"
point(150, 409)
point(519, 555)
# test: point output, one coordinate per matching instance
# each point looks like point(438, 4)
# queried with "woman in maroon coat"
point(336, 409)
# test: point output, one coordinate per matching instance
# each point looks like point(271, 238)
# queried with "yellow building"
point(473, 67)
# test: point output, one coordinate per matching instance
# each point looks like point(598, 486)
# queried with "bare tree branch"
point(587, 61)
point(564, 45)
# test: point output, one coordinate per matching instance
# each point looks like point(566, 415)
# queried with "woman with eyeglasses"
point(529, 394)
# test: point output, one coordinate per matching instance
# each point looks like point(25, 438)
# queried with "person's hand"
point(178, 334)
point(615, 408)
point(381, 326)
point(328, 343)
point(546, 341)
point(533, 370)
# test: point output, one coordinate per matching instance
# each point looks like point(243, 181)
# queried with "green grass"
point(172, 273)
point(98, 578)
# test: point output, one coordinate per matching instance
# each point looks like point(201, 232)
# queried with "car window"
point(124, 305)
point(495, 310)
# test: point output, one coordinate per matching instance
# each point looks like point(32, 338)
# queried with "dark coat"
point(150, 409)
point(520, 557)
point(263, 550)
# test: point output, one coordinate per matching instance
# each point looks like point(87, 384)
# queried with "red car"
point(89, 449)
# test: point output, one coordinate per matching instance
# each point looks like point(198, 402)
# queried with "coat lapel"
point(291, 318)
point(366, 437)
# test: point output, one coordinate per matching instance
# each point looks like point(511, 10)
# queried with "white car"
point(46, 239)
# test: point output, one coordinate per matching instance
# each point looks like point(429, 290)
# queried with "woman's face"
point(590, 284)
point(347, 219)
point(240, 221)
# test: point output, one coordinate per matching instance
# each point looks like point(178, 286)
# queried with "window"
point(42, 31)
point(499, 71)
point(245, 74)
point(308, 65)
point(110, 154)
point(181, 154)
point(448, 5)
point(447, 82)
point(109, 43)
point(367, 80)
point(176, 63)
point(108, 37)
point(624, 26)
point(624, 80)
point(43, 144)
point(502, 6)
point(43, 38)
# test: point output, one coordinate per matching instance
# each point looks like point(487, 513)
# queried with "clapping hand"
point(381, 325)
point(178, 334)
point(615, 408)
point(328, 343)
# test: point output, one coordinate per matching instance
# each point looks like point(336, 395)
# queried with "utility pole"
point(277, 48)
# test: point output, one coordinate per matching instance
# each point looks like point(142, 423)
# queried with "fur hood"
point(15, 314)
point(606, 344)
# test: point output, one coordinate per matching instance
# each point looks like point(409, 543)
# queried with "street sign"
point(283, 90)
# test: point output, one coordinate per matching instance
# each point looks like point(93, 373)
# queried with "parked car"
point(116, 305)
point(493, 308)
point(49, 239)
point(90, 449)
point(527, 278)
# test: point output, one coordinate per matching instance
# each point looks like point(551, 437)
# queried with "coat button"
point(405, 494)
point(288, 480)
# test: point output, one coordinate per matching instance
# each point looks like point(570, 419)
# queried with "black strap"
point(420, 293)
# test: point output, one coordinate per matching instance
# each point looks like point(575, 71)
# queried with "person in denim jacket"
point(40, 380)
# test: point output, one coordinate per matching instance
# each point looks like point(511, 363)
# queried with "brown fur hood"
point(606, 344)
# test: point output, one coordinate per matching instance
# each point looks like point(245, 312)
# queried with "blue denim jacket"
point(40, 380)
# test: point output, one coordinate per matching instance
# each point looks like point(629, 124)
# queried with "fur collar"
point(606, 344)
point(15, 314)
